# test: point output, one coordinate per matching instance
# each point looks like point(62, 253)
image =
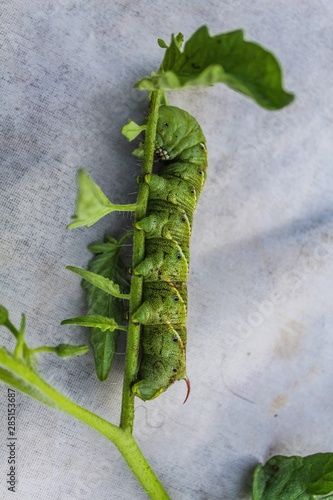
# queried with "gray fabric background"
point(260, 315)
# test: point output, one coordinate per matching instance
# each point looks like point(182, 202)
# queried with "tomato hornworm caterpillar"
point(163, 212)
point(173, 195)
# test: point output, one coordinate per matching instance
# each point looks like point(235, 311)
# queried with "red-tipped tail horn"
point(187, 380)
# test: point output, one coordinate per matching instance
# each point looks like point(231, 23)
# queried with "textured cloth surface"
point(260, 324)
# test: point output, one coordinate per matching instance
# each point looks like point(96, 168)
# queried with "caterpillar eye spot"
point(166, 124)
point(192, 191)
point(176, 298)
point(200, 172)
point(174, 370)
point(175, 339)
point(179, 256)
point(202, 147)
point(183, 218)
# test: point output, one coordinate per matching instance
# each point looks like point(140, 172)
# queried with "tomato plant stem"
point(133, 336)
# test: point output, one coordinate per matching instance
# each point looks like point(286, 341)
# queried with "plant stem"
point(20, 339)
point(28, 381)
point(133, 336)
point(124, 208)
point(11, 328)
point(43, 348)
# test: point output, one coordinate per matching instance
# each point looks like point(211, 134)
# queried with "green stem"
point(8, 324)
point(28, 381)
point(124, 208)
point(37, 350)
point(21, 347)
point(133, 337)
point(20, 339)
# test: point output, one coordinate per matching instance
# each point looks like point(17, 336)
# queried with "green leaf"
point(3, 315)
point(227, 58)
point(131, 130)
point(108, 247)
point(294, 478)
point(179, 39)
point(139, 152)
point(96, 321)
point(104, 284)
point(162, 43)
point(91, 203)
point(68, 350)
point(108, 263)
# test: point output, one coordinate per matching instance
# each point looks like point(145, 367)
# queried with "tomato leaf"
point(294, 478)
point(227, 58)
point(91, 203)
point(96, 321)
point(131, 130)
point(69, 350)
point(106, 262)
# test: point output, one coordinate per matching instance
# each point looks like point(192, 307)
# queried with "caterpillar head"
point(177, 131)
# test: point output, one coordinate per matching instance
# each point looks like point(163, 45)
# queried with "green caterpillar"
point(173, 195)
point(163, 211)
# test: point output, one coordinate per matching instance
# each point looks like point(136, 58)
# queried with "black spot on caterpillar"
point(173, 194)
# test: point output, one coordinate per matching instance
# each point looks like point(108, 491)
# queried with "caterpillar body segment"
point(174, 190)
point(192, 173)
point(165, 261)
point(164, 220)
point(163, 303)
